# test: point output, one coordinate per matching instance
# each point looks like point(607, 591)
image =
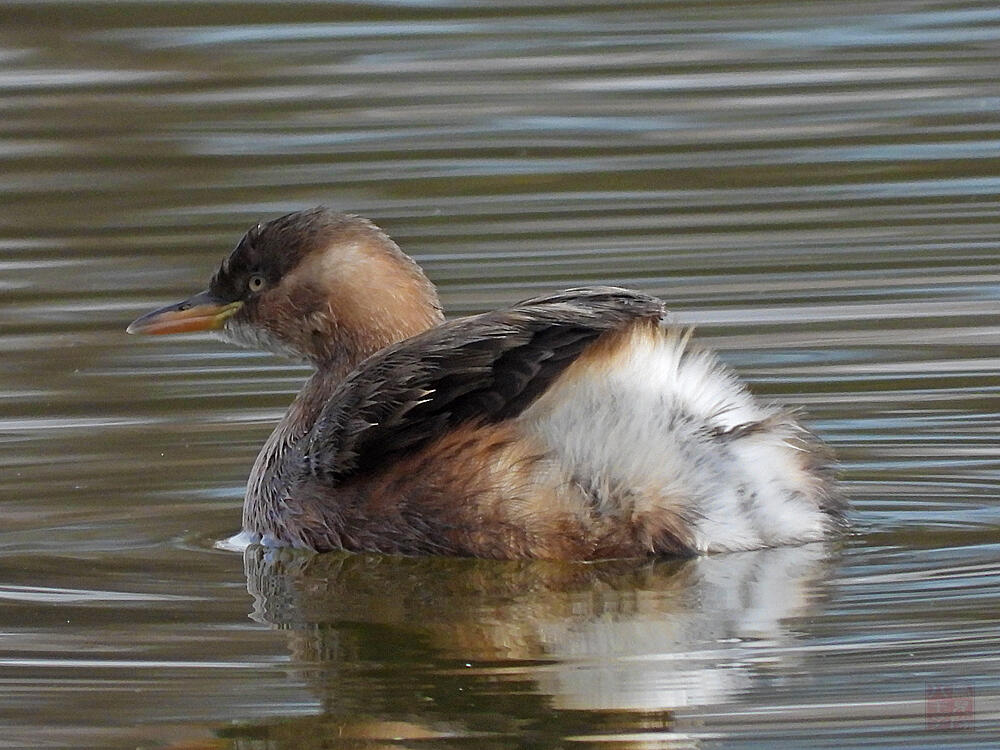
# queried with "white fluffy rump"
point(646, 425)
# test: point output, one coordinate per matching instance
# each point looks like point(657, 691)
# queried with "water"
point(815, 186)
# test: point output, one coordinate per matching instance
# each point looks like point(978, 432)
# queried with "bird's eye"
point(255, 283)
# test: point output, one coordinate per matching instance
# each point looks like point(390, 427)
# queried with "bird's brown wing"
point(486, 367)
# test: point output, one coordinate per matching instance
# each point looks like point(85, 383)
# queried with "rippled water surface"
point(816, 186)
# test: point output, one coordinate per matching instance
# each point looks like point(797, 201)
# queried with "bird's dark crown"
point(274, 248)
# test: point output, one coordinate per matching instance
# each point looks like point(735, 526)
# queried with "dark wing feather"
point(486, 367)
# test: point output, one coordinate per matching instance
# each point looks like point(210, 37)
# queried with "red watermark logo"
point(949, 707)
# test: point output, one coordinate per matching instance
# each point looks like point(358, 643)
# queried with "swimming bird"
point(577, 425)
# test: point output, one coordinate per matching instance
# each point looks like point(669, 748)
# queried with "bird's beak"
point(202, 312)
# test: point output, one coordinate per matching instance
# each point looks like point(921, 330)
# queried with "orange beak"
point(202, 312)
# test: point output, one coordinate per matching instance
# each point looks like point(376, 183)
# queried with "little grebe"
point(576, 425)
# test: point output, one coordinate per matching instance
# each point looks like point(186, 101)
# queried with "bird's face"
point(312, 285)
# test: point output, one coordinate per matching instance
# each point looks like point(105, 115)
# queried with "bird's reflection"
point(471, 646)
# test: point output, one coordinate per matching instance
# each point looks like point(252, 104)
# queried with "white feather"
point(650, 420)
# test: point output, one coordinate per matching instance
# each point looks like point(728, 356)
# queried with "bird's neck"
point(360, 299)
